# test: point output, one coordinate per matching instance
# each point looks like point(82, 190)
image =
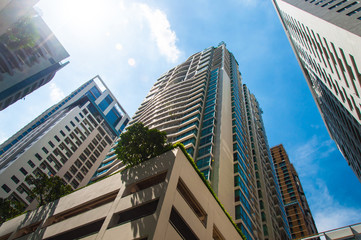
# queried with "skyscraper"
point(298, 212)
point(30, 54)
point(326, 39)
point(273, 215)
point(69, 140)
point(200, 103)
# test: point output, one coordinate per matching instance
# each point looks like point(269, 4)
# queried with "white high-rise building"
point(326, 37)
point(69, 140)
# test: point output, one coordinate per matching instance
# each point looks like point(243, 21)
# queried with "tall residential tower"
point(326, 37)
point(200, 103)
point(298, 212)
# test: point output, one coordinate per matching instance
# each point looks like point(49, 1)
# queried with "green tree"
point(48, 189)
point(22, 34)
point(9, 209)
point(139, 143)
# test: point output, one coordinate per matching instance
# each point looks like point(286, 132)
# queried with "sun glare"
point(85, 13)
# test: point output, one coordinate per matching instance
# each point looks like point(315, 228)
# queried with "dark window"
point(23, 171)
point(77, 119)
point(192, 202)
point(31, 164)
point(51, 144)
point(15, 179)
point(45, 150)
point(37, 155)
point(72, 123)
point(181, 226)
point(67, 128)
point(80, 232)
point(57, 138)
point(134, 213)
point(62, 133)
point(6, 188)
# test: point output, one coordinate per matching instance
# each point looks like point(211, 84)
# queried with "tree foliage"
point(139, 143)
point(22, 34)
point(9, 209)
point(48, 189)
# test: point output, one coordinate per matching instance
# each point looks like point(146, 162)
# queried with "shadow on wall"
point(33, 222)
point(149, 185)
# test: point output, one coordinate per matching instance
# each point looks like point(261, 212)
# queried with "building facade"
point(273, 216)
point(162, 198)
point(69, 140)
point(200, 103)
point(30, 54)
point(326, 39)
point(298, 212)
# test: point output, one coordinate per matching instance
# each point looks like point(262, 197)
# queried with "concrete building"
point(326, 39)
point(344, 233)
point(162, 198)
point(69, 140)
point(298, 212)
point(30, 54)
point(200, 103)
point(273, 216)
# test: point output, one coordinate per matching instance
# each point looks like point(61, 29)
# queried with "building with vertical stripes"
point(326, 37)
point(273, 216)
point(298, 212)
point(69, 140)
point(201, 104)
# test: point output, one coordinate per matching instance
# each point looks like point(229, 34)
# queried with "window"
point(15, 179)
point(192, 202)
point(72, 123)
point(105, 103)
point(181, 226)
point(57, 138)
point(67, 176)
point(67, 128)
point(6, 188)
point(73, 170)
point(45, 150)
point(77, 119)
point(31, 164)
point(74, 183)
point(78, 163)
point(134, 213)
point(37, 155)
point(23, 171)
point(62, 133)
point(51, 144)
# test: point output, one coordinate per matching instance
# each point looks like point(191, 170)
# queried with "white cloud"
point(56, 94)
point(329, 213)
point(306, 157)
point(161, 32)
point(131, 62)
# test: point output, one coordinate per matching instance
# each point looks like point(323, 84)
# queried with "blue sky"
point(131, 43)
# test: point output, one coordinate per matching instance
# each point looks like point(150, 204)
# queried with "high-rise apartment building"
point(274, 222)
point(30, 54)
point(69, 140)
point(200, 103)
point(326, 37)
point(298, 212)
